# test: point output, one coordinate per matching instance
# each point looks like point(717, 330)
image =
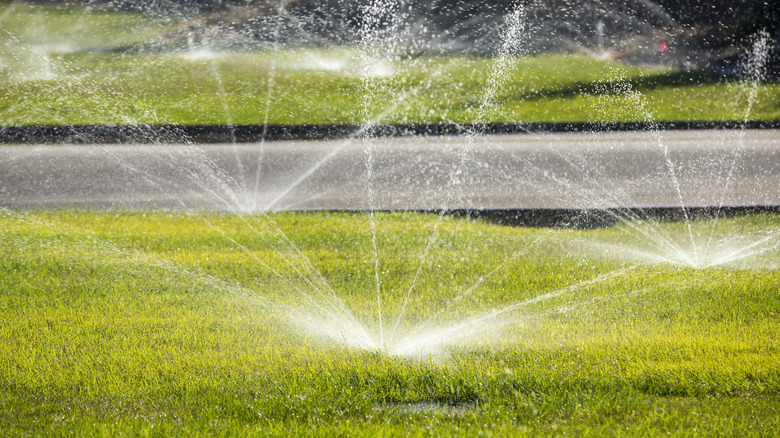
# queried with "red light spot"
point(662, 46)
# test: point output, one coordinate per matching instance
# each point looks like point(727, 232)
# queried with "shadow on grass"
point(674, 79)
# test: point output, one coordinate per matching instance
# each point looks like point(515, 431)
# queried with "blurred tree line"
point(732, 22)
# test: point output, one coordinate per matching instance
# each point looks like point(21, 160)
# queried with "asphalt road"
point(628, 169)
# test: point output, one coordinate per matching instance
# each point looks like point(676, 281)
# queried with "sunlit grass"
point(120, 322)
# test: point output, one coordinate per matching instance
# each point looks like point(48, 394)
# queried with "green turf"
point(60, 66)
point(172, 324)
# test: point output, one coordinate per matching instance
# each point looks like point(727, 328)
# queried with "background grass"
point(61, 66)
point(157, 324)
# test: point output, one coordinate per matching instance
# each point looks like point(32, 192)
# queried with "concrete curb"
point(151, 134)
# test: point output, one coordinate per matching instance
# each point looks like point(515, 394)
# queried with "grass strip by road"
point(62, 66)
point(179, 323)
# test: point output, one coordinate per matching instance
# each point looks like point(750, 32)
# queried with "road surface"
point(574, 170)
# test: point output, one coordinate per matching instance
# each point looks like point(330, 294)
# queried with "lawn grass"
point(61, 68)
point(144, 323)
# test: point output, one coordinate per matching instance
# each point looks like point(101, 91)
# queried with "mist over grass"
point(64, 66)
point(182, 323)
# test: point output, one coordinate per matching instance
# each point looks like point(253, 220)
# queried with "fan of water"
point(623, 177)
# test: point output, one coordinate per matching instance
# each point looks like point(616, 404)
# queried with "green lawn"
point(133, 323)
point(60, 66)
point(191, 323)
